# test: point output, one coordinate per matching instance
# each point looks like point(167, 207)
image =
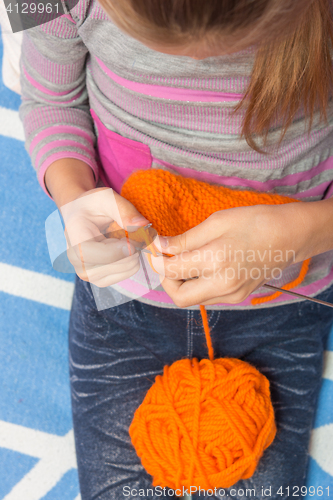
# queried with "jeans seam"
point(189, 334)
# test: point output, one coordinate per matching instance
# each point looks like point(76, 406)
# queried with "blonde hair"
point(293, 59)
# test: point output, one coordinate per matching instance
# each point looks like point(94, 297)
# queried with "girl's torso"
point(153, 110)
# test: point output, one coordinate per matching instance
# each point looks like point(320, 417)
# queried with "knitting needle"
point(318, 301)
point(145, 271)
point(299, 295)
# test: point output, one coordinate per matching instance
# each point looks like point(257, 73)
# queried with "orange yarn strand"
point(150, 262)
point(207, 332)
point(128, 242)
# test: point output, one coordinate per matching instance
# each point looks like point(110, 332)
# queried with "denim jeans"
point(115, 355)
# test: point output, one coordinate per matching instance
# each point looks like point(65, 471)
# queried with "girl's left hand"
point(234, 252)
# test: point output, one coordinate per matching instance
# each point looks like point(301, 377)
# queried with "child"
point(157, 83)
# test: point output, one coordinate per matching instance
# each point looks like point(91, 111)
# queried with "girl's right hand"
point(99, 260)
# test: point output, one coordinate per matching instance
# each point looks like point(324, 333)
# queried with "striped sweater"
point(91, 92)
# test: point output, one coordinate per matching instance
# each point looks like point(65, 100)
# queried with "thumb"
point(191, 240)
point(127, 216)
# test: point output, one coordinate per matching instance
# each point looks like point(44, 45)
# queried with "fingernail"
point(164, 241)
point(139, 219)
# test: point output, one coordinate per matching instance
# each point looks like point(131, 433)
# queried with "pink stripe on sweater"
point(60, 129)
point(169, 92)
point(63, 143)
point(47, 91)
point(40, 87)
point(50, 70)
point(315, 191)
point(59, 27)
point(48, 116)
point(288, 180)
point(67, 100)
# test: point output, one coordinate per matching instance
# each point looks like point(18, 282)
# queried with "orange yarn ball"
point(204, 424)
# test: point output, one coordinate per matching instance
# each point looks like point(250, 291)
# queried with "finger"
point(98, 270)
point(231, 298)
point(237, 296)
point(127, 214)
point(204, 261)
point(102, 201)
point(103, 252)
point(200, 291)
point(95, 275)
point(186, 293)
point(99, 205)
point(208, 292)
point(112, 269)
point(196, 237)
point(112, 279)
point(174, 268)
point(80, 229)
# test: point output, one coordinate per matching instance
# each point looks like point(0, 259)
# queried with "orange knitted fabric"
point(175, 204)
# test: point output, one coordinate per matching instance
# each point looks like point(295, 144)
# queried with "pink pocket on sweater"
point(119, 156)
